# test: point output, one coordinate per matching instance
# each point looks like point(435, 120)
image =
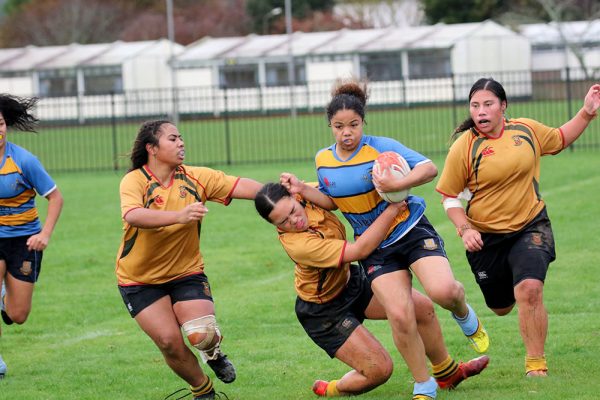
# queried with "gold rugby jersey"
point(502, 173)
point(159, 255)
point(319, 274)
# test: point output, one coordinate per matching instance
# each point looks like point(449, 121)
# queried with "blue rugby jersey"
point(349, 184)
point(21, 175)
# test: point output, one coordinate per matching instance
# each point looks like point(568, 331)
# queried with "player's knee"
point(449, 296)
point(19, 317)
point(529, 292)
point(203, 333)
point(168, 343)
point(402, 319)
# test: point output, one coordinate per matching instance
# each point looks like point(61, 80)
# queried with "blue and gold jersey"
point(349, 184)
point(21, 175)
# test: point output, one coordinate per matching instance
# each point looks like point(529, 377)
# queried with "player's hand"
point(385, 182)
point(291, 182)
point(399, 207)
point(192, 212)
point(472, 240)
point(38, 242)
point(591, 103)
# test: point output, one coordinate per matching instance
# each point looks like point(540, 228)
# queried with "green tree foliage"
point(301, 9)
point(457, 11)
point(12, 6)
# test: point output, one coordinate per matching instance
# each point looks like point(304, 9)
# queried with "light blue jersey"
point(21, 175)
point(349, 184)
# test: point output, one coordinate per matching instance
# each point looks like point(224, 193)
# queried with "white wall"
point(20, 86)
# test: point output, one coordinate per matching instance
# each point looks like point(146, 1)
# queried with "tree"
point(458, 11)
point(380, 13)
point(301, 10)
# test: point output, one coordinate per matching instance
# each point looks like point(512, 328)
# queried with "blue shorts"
point(191, 287)
point(508, 258)
point(21, 263)
point(421, 241)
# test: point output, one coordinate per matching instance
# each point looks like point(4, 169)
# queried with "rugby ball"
point(390, 162)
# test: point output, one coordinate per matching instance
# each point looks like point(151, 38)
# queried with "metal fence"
point(261, 125)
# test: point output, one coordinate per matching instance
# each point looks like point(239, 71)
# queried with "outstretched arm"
point(308, 192)
point(246, 189)
point(575, 126)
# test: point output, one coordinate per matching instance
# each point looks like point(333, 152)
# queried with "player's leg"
point(194, 307)
point(370, 362)
point(429, 263)
point(394, 292)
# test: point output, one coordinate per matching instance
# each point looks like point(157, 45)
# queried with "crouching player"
point(160, 269)
point(334, 297)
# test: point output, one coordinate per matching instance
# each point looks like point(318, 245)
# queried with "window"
point(277, 73)
point(381, 67)
point(238, 76)
point(435, 63)
point(103, 80)
point(57, 82)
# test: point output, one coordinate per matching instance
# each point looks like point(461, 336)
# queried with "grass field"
point(80, 343)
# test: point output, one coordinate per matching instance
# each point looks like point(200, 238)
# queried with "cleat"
point(480, 341)
point(537, 373)
point(465, 370)
point(422, 397)
point(2, 368)
point(320, 388)
point(223, 368)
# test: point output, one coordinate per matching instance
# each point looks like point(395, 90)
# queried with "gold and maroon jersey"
point(319, 275)
point(501, 173)
point(159, 255)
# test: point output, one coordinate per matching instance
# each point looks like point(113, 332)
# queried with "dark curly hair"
point(148, 133)
point(17, 112)
point(348, 95)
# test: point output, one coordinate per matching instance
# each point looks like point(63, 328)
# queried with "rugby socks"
point(332, 390)
point(468, 323)
point(427, 388)
point(205, 388)
point(445, 369)
point(535, 364)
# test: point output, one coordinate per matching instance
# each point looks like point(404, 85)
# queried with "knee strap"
point(203, 333)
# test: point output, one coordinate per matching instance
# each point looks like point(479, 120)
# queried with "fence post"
point(227, 133)
point(569, 99)
point(113, 123)
point(454, 101)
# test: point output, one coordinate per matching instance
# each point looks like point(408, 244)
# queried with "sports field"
point(80, 343)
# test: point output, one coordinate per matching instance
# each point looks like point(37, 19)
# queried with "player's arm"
point(146, 218)
point(40, 241)
point(308, 192)
point(575, 126)
point(246, 189)
point(374, 235)
point(456, 213)
point(419, 175)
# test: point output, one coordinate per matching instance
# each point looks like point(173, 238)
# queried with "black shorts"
point(191, 287)
point(21, 263)
point(330, 324)
point(421, 241)
point(508, 258)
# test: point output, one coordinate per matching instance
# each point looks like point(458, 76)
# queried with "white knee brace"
point(203, 333)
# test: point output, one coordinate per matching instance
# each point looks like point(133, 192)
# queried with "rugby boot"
point(480, 341)
point(223, 368)
point(465, 370)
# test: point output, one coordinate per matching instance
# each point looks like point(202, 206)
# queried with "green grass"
point(270, 139)
point(80, 343)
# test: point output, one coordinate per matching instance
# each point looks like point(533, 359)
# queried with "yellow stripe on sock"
point(206, 387)
point(332, 390)
point(445, 369)
point(535, 364)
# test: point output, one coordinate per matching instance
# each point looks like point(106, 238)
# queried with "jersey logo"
point(488, 151)
point(182, 191)
point(482, 275)
point(372, 269)
point(327, 183)
point(517, 140)
point(158, 200)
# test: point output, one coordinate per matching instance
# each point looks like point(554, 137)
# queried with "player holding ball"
point(412, 244)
